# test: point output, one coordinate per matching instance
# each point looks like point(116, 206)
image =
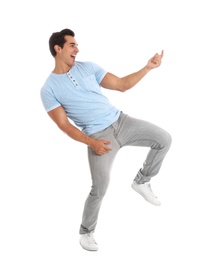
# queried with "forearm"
point(100, 147)
point(110, 81)
point(131, 80)
point(59, 116)
point(74, 133)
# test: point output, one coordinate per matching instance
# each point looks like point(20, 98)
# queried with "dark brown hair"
point(57, 38)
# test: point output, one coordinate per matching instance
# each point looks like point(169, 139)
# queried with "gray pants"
point(125, 131)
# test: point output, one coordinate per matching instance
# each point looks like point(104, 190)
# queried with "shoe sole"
point(87, 248)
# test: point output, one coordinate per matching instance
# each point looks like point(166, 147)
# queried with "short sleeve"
point(99, 72)
point(48, 99)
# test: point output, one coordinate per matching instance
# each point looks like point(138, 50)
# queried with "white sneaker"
point(146, 192)
point(87, 242)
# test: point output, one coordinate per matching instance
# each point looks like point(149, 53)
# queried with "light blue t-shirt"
point(79, 93)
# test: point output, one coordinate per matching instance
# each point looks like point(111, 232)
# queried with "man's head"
point(58, 38)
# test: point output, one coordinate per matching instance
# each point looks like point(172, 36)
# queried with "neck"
point(61, 68)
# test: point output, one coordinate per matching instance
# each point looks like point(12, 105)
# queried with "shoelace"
point(91, 238)
point(149, 188)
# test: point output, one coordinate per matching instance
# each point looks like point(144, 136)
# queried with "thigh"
point(137, 132)
point(100, 165)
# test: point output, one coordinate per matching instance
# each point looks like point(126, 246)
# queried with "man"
point(73, 91)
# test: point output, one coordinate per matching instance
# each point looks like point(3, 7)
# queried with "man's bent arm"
point(59, 116)
point(113, 82)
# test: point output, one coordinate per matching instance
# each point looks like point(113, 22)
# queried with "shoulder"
point(47, 83)
point(87, 68)
point(54, 80)
point(87, 65)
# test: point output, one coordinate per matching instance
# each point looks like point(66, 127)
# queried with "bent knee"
point(167, 140)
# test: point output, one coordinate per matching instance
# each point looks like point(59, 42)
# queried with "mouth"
point(73, 56)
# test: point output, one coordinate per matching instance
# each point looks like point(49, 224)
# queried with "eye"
point(73, 45)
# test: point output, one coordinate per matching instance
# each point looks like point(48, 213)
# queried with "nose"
point(77, 49)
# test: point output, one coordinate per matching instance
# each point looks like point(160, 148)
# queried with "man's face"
point(69, 51)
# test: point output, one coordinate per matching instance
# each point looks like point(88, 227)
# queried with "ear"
point(57, 48)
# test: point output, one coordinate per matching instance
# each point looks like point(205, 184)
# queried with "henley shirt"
point(79, 92)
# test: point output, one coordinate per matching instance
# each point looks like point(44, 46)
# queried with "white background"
point(44, 178)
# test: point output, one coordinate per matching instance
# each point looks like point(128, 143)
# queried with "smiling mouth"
point(73, 56)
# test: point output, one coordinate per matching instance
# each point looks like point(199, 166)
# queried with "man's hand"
point(155, 61)
point(100, 146)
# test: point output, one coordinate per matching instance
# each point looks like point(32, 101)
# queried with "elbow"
point(122, 89)
point(63, 126)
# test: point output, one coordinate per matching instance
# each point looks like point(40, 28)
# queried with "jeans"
point(126, 131)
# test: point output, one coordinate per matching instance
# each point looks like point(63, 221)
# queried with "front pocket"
point(90, 84)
